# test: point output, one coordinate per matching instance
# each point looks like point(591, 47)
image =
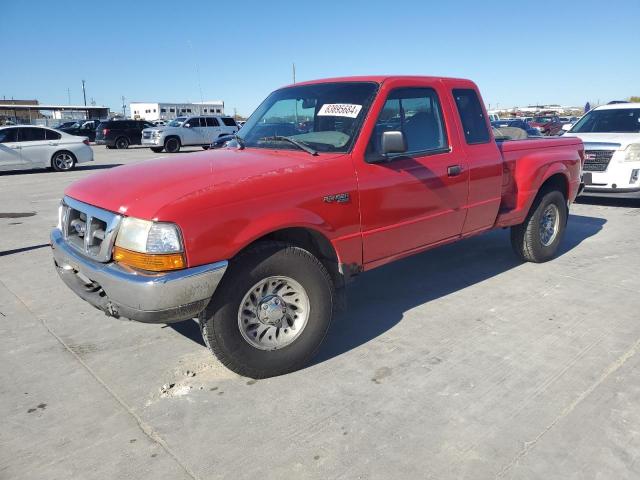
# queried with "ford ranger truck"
point(326, 180)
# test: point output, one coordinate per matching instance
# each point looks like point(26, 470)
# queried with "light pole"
point(84, 94)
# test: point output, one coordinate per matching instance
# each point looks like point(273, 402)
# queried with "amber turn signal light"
point(148, 261)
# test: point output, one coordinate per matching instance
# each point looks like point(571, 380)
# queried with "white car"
point(27, 147)
point(184, 131)
point(611, 136)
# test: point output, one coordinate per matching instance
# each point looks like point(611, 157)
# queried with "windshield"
point(620, 120)
point(177, 122)
point(325, 116)
point(543, 119)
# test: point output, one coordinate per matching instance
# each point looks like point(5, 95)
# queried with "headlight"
point(149, 245)
point(156, 133)
point(632, 153)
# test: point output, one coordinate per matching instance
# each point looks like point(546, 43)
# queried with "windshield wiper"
point(240, 140)
point(297, 143)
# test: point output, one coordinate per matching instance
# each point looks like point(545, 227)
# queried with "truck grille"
point(88, 229)
point(597, 160)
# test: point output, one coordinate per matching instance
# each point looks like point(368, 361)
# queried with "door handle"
point(16, 147)
point(454, 170)
point(53, 143)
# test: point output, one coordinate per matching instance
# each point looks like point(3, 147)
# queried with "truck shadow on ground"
point(78, 168)
point(378, 299)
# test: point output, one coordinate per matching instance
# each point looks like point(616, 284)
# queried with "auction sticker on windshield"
point(340, 110)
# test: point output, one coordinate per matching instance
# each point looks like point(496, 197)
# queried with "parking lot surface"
point(457, 363)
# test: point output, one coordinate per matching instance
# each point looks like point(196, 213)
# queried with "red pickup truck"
point(326, 180)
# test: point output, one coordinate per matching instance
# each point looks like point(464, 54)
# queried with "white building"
point(157, 111)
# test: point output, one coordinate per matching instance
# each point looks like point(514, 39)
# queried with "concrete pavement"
point(456, 363)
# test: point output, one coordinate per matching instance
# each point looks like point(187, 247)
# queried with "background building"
point(164, 111)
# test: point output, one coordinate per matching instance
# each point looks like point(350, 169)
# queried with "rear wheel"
point(157, 149)
point(172, 145)
point(63, 161)
point(205, 147)
point(537, 239)
point(271, 311)
point(122, 143)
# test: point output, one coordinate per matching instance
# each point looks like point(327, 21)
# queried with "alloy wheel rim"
point(549, 225)
point(64, 161)
point(273, 313)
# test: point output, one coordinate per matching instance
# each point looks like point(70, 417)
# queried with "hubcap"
point(64, 161)
point(273, 313)
point(549, 225)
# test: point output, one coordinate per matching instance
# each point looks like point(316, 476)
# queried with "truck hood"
point(143, 189)
point(618, 140)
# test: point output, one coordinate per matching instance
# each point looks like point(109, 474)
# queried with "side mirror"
point(187, 125)
point(393, 142)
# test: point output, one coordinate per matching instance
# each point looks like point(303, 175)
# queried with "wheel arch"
point(310, 239)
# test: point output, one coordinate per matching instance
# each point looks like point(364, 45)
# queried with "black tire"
point(172, 145)
point(63, 161)
point(122, 143)
point(219, 321)
point(156, 149)
point(205, 147)
point(527, 238)
point(111, 147)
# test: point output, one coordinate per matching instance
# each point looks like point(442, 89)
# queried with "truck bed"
point(527, 162)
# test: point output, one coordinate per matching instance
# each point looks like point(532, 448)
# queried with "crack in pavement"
point(146, 429)
point(571, 407)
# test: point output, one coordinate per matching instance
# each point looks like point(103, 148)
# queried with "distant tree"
point(587, 107)
point(634, 99)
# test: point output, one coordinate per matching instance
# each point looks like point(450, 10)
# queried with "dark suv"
point(121, 133)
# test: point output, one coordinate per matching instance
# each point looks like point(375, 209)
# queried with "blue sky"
point(566, 51)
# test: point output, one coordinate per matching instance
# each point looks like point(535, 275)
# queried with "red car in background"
point(547, 124)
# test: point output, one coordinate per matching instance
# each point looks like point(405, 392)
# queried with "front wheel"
point(537, 239)
point(271, 311)
point(172, 145)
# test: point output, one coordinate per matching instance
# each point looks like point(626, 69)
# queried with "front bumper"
point(123, 292)
point(153, 141)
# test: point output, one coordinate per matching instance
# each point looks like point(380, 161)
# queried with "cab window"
point(417, 114)
point(471, 116)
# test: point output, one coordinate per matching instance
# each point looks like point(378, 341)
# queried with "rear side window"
point(471, 116)
point(229, 122)
point(51, 135)
point(9, 135)
point(212, 122)
point(31, 134)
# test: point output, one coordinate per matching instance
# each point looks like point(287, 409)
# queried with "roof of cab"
point(379, 79)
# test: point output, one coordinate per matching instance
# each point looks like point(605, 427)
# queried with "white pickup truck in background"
point(186, 131)
point(611, 136)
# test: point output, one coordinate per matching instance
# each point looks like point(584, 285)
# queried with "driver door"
point(417, 198)
point(193, 132)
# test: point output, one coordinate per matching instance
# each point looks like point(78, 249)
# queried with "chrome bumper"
point(123, 292)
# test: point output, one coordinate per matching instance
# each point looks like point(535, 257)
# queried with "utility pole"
point(68, 96)
point(84, 94)
point(294, 72)
point(124, 107)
